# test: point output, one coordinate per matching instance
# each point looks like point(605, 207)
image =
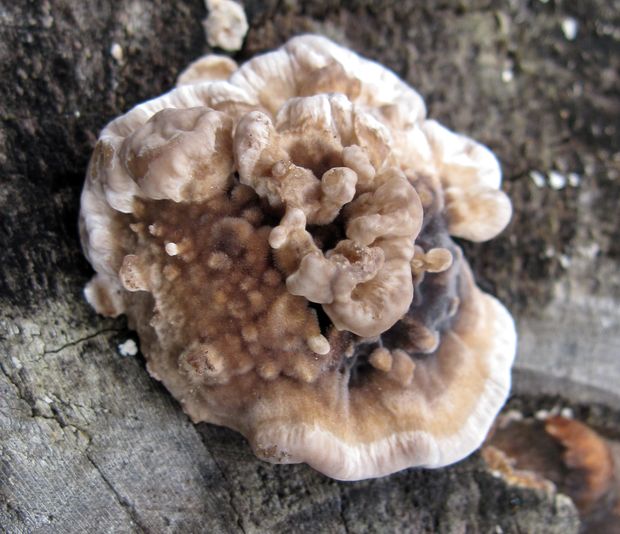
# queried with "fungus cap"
point(279, 236)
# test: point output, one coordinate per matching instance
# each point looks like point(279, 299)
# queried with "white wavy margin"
point(338, 459)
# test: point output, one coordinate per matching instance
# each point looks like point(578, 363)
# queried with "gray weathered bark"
point(88, 442)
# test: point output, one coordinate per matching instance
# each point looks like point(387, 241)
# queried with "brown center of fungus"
point(281, 243)
point(363, 282)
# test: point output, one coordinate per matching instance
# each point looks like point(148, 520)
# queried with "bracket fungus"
point(279, 235)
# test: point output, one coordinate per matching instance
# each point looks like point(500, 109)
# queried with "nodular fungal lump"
point(280, 236)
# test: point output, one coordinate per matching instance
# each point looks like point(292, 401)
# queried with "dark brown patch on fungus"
point(281, 243)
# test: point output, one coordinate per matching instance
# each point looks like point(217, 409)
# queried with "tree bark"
point(90, 443)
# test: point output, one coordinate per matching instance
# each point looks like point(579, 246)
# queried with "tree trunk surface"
point(90, 443)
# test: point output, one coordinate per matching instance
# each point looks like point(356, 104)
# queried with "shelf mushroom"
point(279, 235)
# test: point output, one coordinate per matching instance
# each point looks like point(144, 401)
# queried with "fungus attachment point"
point(279, 234)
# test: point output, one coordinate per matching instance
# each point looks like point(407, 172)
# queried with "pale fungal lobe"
point(279, 236)
point(226, 24)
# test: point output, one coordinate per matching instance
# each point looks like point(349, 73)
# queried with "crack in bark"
point(341, 509)
point(56, 417)
point(78, 341)
point(228, 485)
point(27, 397)
point(20, 394)
point(35, 413)
point(122, 502)
point(59, 419)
